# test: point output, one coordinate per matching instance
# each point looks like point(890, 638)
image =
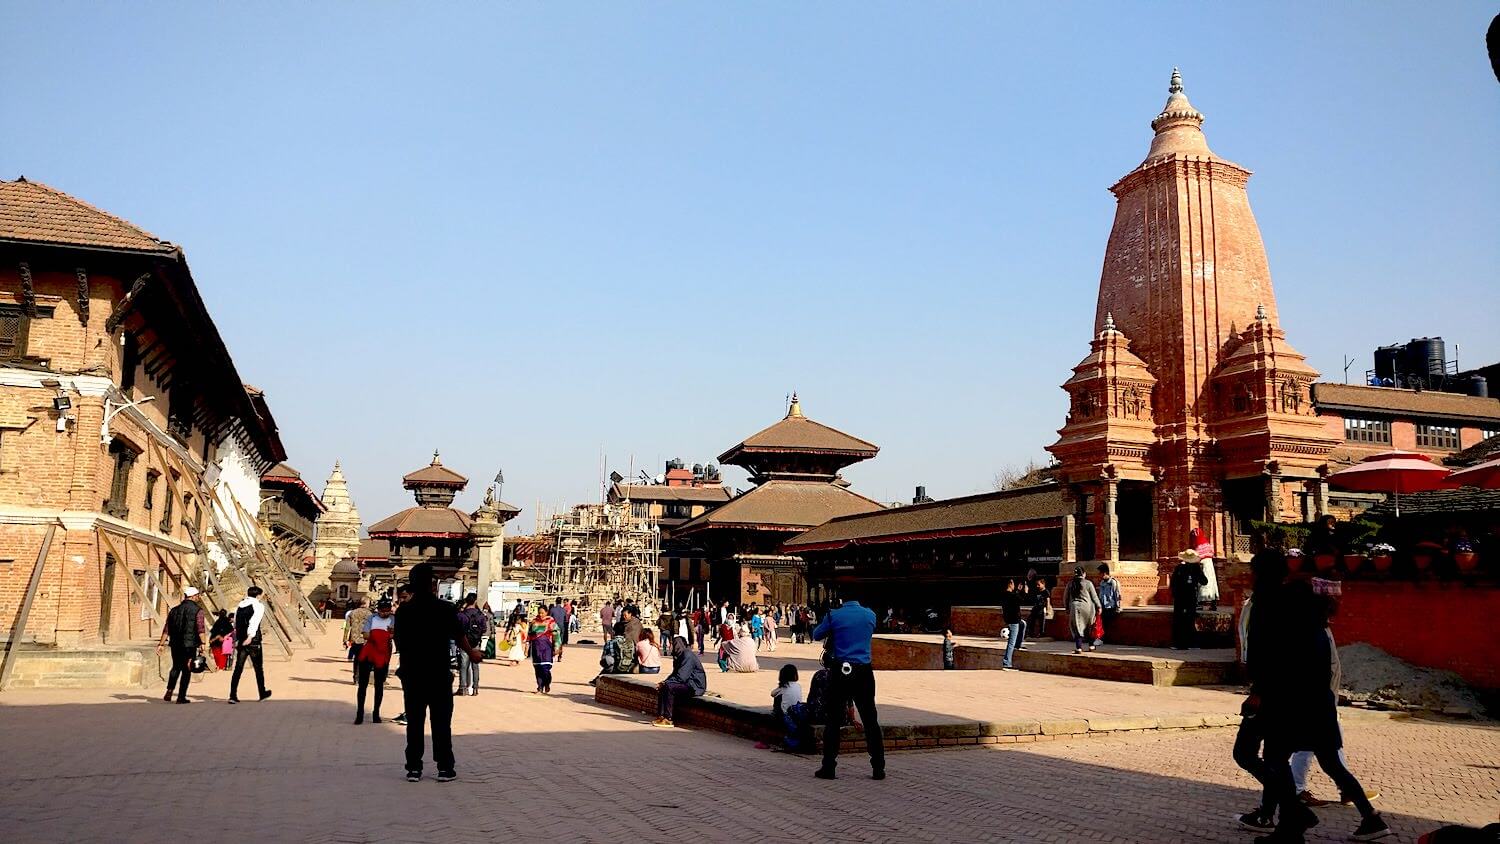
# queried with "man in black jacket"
point(184, 630)
point(1185, 581)
point(249, 616)
point(426, 626)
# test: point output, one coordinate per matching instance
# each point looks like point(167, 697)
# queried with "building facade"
point(118, 400)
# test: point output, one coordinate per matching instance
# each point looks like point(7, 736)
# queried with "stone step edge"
point(748, 722)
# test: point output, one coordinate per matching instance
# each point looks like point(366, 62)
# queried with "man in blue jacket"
point(851, 678)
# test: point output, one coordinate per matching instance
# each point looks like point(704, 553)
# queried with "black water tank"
point(1425, 356)
point(1479, 386)
point(1385, 362)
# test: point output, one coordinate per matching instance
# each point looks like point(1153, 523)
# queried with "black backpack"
point(242, 624)
point(476, 627)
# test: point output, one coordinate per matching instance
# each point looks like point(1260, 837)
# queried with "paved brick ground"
point(109, 766)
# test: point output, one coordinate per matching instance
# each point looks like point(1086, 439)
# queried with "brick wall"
point(1450, 626)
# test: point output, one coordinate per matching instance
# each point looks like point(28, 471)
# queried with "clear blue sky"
point(531, 234)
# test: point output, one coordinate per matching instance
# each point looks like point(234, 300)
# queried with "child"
point(948, 648)
point(789, 711)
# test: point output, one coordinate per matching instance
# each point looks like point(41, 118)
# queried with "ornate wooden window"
point(15, 329)
point(152, 476)
point(119, 487)
point(1437, 436)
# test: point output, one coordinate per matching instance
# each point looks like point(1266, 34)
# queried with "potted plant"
point(1382, 555)
point(1423, 553)
point(1325, 560)
point(1464, 555)
point(1294, 559)
point(1354, 561)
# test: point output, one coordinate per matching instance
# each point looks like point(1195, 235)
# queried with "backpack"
point(242, 624)
point(475, 626)
point(610, 660)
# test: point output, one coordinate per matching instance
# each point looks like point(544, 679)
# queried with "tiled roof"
point(1393, 401)
point(1441, 502)
point(373, 549)
point(35, 213)
point(798, 433)
point(436, 521)
point(989, 512)
point(282, 470)
point(662, 492)
point(1475, 454)
point(436, 473)
point(784, 505)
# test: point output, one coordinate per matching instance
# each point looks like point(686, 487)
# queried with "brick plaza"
point(123, 766)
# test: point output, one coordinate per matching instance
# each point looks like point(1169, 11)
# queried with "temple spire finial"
point(1176, 86)
point(435, 460)
point(1109, 321)
point(795, 409)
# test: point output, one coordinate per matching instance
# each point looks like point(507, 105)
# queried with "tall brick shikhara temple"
point(1191, 409)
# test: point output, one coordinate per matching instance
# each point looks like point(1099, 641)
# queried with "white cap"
point(189, 591)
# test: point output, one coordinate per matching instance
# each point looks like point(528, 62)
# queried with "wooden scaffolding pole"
point(18, 630)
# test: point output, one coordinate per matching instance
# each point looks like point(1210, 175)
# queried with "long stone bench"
point(638, 693)
point(1130, 665)
point(44, 667)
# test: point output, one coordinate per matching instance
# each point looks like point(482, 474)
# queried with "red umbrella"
point(1485, 476)
point(1394, 472)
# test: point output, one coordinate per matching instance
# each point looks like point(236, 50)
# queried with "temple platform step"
point(1149, 626)
point(1121, 663)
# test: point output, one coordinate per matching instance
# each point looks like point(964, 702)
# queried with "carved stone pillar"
point(1319, 489)
point(1070, 526)
point(1272, 479)
point(1109, 521)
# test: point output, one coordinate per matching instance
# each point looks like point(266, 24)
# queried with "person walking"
point(426, 627)
point(559, 615)
point(1082, 601)
point(768, 630)
point(186, 634)
point(1300, 710)
point(1015, 625)
point(1185, 582)
point(248, 616)
point(687, 680)
point(221, 639)
point(849, 630)
point(1109, 600)
point(476, 624)
point(354, 632)
point(374, 658)
point(700, 626)
point(542, 636)
point(1268, 571)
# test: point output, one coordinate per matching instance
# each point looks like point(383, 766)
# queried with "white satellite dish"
point(661, 479)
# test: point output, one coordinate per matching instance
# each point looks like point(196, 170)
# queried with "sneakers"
point(661, 722)
point(234, 700)
point(824, 774)
point(447, 776)
point(376, 719)
point(400, 719)
point(184, 700)
point(413, 776)
point(1371, 829)
point(265, 694)
point(877, 773)
point(1257, 821)
point(1308, 799)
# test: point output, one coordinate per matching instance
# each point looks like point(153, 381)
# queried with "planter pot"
point(1466, 560)
point(1382, 562)
point(1353, 562)
point(1325, 562)
point(1295, 563)
point(1422, 560)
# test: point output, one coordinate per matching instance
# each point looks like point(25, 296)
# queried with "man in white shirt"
point(247, 619)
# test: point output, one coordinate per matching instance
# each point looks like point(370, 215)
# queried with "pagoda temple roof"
point(783, 505)
point(438, 522)
point(1030, 508)
point(796, 434)
point(434, 474)
point(282, 474)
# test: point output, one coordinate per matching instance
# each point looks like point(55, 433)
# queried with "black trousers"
point(1247, 754)
point(668, 694)
point(254, 654)
point(424, 695)
point(182, 669)
point(1184, 625)
point(1294, 815)
point(857, 686)
point(363, 670)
